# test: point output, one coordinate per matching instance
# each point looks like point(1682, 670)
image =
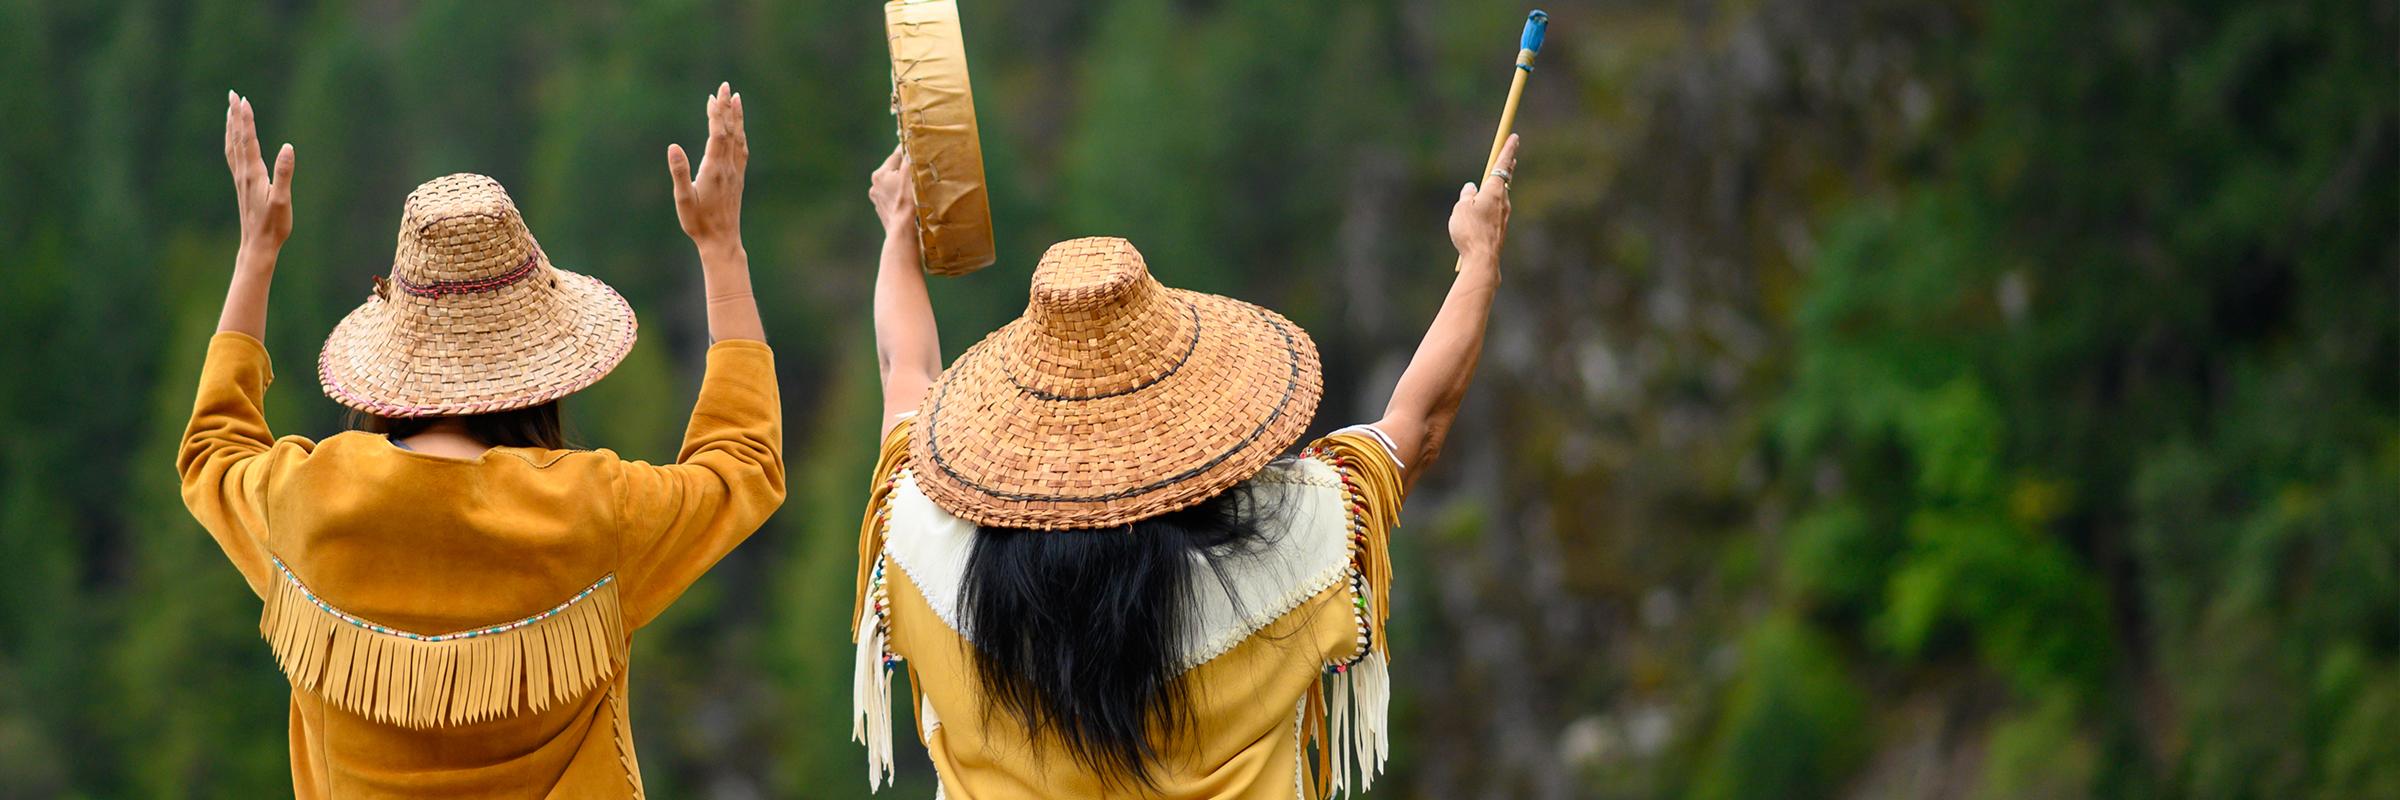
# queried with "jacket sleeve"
point(680, 518)
point(228, 456)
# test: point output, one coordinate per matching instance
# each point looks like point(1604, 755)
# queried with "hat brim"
point(391, 359)
point(994, 452)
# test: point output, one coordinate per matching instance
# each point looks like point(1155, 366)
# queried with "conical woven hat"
point(474, 318)
point(1112, 399)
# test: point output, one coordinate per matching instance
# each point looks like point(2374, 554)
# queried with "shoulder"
point(1303, 500)
point(1346, 445)
point(297, 444)
point(1307, 471)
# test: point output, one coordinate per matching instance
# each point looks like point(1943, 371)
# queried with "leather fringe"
point(871, 673)
point(1349, 718)
point(1313, 727)
point(1372, 483)
point(871, 686)
point(1358, 727)
point(419, 681)
point(871, 528)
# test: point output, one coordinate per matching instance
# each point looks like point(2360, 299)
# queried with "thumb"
point(285, 161)
point(1466, 192)
point(680, 167)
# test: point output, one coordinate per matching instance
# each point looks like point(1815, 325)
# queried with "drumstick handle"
point(1529, 45)
point(1508, 122)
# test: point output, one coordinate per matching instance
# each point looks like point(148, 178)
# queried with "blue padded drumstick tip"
point(1536, 25)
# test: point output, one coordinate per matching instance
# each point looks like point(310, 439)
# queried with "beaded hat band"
point(474, 318)
point(1112, 399)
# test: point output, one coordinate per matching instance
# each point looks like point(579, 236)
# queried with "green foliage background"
point(1949, 399)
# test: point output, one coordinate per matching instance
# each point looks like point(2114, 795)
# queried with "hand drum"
point(936, 112)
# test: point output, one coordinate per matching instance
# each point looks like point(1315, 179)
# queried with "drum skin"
point(936, 111)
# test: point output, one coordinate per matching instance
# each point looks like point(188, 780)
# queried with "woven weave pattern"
point(1112, 399)
point(476, 319)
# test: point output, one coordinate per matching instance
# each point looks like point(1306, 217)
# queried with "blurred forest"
point(1887, 399)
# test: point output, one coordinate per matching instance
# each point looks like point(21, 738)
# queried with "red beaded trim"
point(880, 594)
point(1354, 501)
point(439, 288)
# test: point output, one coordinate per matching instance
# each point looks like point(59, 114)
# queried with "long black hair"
point(533, 426)
point(1079, 633)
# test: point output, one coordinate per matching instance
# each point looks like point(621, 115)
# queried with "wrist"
point(257, 256)
point(1479, 265)
point(719, 248)
point(902, 228)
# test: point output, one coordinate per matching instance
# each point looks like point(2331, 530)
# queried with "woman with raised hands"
point(451, 588)
point(1087, 547)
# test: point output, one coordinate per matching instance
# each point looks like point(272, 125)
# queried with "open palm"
point(265, 203)
point(710, 206)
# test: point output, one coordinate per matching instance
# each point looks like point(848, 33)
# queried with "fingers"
point(891, 172)
point(231, 100)
point(728, 154)
point(741, 136)
point(680, 168)
point(285, 162)
point(241, 142)
point(720, 114)
point(237, 130)
point(1494, 191)
point(733, 106)
point(728, 142)
point(1495, 185)
point(246, 132)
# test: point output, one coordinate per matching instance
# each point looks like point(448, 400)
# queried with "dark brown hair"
point(534, 426)
point(1078, 633)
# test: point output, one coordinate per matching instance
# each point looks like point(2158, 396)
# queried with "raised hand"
point(1479, 223)
point(895, 195)
point(265, 202)
point(710, 207)
point(907, 346)
point(1426, 400)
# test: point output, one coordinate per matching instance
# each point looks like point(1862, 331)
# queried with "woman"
point(1084, 549)
point(451, 590)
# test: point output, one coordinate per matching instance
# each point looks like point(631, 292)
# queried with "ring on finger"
point(1503, 174)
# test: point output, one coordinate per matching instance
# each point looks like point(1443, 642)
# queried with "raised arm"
point(1426, 400)
point(710, 208)
point(680, 518)
point(266, 214)
point(907, 349)
point(227, 458)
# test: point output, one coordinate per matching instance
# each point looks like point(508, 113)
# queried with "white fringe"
point(1358, 719)
point(871, 693)
point(1358, 722)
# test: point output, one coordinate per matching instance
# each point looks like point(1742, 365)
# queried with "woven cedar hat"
point(474, 318)
point(1112, 399)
